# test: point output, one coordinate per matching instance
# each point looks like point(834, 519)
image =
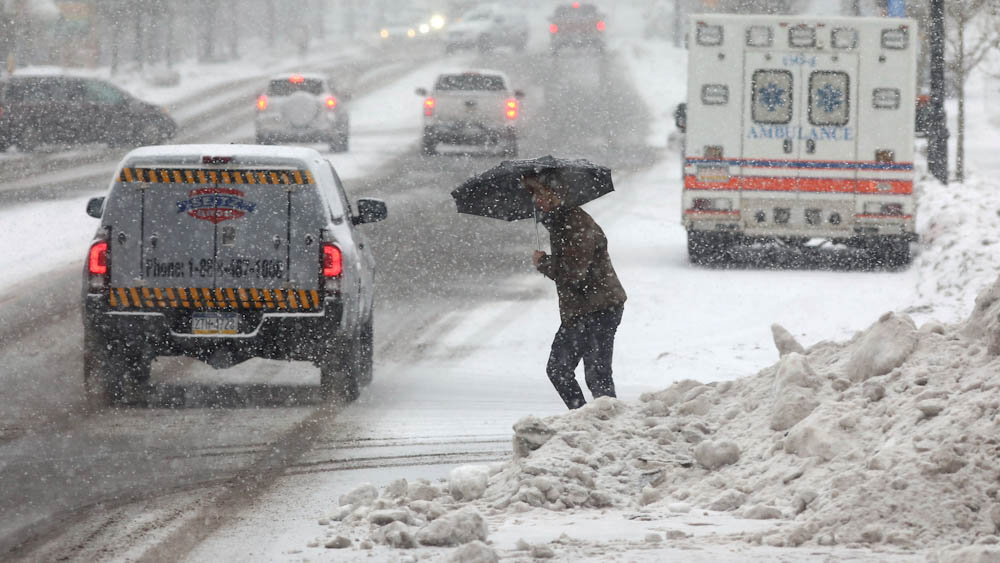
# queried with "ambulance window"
point(709, 35)
point(829, 102)
point(760, 36)
point(802, 36)
point(844, 38)
point(885, 98)
point(772, 96)
point(898, 38)
point(714, 94)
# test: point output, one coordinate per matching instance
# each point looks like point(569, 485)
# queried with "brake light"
point(429, 104)
point(262, 102)
point(296, 79)
point(553, 28)
point(512, 108)
point(576, 4)
point(97, 260)
point(333, 261)
point(600, 26)
point(331, 102)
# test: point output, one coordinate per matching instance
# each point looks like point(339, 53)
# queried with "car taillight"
point(331, 102)
point(262, 102)
point(333, 261)
point(429, 104)
point(576, 5)
point(512, 108)
point(600, 26)
point(553, 28)
point(296, 79)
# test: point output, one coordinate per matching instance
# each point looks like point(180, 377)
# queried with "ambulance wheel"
point(892, 252)
point(707, 249)
point(339, 371)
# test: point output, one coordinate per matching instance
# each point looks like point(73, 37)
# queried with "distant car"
point(487, 27)
point(302, 108)
point(576, 25)
point(225, 253)
point(57, 109)
point(473, 107)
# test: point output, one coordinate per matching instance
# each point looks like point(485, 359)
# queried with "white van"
point(800, 128)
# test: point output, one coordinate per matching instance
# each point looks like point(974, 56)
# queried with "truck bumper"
point(468, 133)
point(271, 335)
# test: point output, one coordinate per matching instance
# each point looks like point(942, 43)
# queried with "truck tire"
point(428, 144)
point(341, 143)
point(339, 372)
point(113, 377)
point(708, 249)
point(367, 364)
point(510, 145)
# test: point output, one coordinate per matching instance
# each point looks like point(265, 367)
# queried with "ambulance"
point(799, 129)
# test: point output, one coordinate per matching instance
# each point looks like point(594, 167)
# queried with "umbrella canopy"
point(498, 192)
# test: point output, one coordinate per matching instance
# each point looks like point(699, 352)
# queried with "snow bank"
point(891, 438)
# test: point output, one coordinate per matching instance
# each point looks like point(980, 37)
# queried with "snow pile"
point(959, 226)
point(891, 438)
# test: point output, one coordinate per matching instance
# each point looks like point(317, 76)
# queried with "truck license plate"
point(215, 323)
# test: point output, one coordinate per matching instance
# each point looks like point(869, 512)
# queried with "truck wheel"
point(367, 364)
point(510, 145)
point(340, 144)
point(113, 377)
point(428, 144)
point(707, 249)
point(338, 373)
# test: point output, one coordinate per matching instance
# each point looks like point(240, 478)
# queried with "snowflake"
point(829, 98)
point(772, 96)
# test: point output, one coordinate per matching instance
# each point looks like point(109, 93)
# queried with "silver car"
point(302, 108)
point(226, 253)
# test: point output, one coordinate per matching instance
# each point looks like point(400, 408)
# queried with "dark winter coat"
point(579, 264)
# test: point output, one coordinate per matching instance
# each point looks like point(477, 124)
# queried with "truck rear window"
point(287, 87)
point(470, 82)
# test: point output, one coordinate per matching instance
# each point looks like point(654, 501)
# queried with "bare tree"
point(974, 31)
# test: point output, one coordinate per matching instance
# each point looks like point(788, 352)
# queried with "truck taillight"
point(553, 28)
point(331, 102)
point(600, 26)
point(97, 265)
point(97, 262)
point(429, 104)
point(333, 261)
point(262, 102)
point(512, 108)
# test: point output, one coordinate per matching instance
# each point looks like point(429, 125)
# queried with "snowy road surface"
point(238, 463)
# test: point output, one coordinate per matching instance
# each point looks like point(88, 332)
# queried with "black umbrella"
point(498, 192)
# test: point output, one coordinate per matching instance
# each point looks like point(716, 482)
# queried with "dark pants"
point(591, 338)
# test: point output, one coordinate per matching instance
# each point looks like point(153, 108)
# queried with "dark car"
point(576, 25)
point(35, 110)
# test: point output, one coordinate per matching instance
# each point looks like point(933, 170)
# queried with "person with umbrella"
point(591, 299)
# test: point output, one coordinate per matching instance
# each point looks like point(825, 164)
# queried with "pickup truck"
point(473, 107)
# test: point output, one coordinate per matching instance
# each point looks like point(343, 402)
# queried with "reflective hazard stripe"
point(229, 298)
point(202, 176)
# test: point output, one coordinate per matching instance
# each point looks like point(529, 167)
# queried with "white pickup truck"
point(473, 107)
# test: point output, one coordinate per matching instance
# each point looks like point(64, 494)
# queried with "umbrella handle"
point(538, 245)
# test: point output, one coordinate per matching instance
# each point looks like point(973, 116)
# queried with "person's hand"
point(537, 257)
